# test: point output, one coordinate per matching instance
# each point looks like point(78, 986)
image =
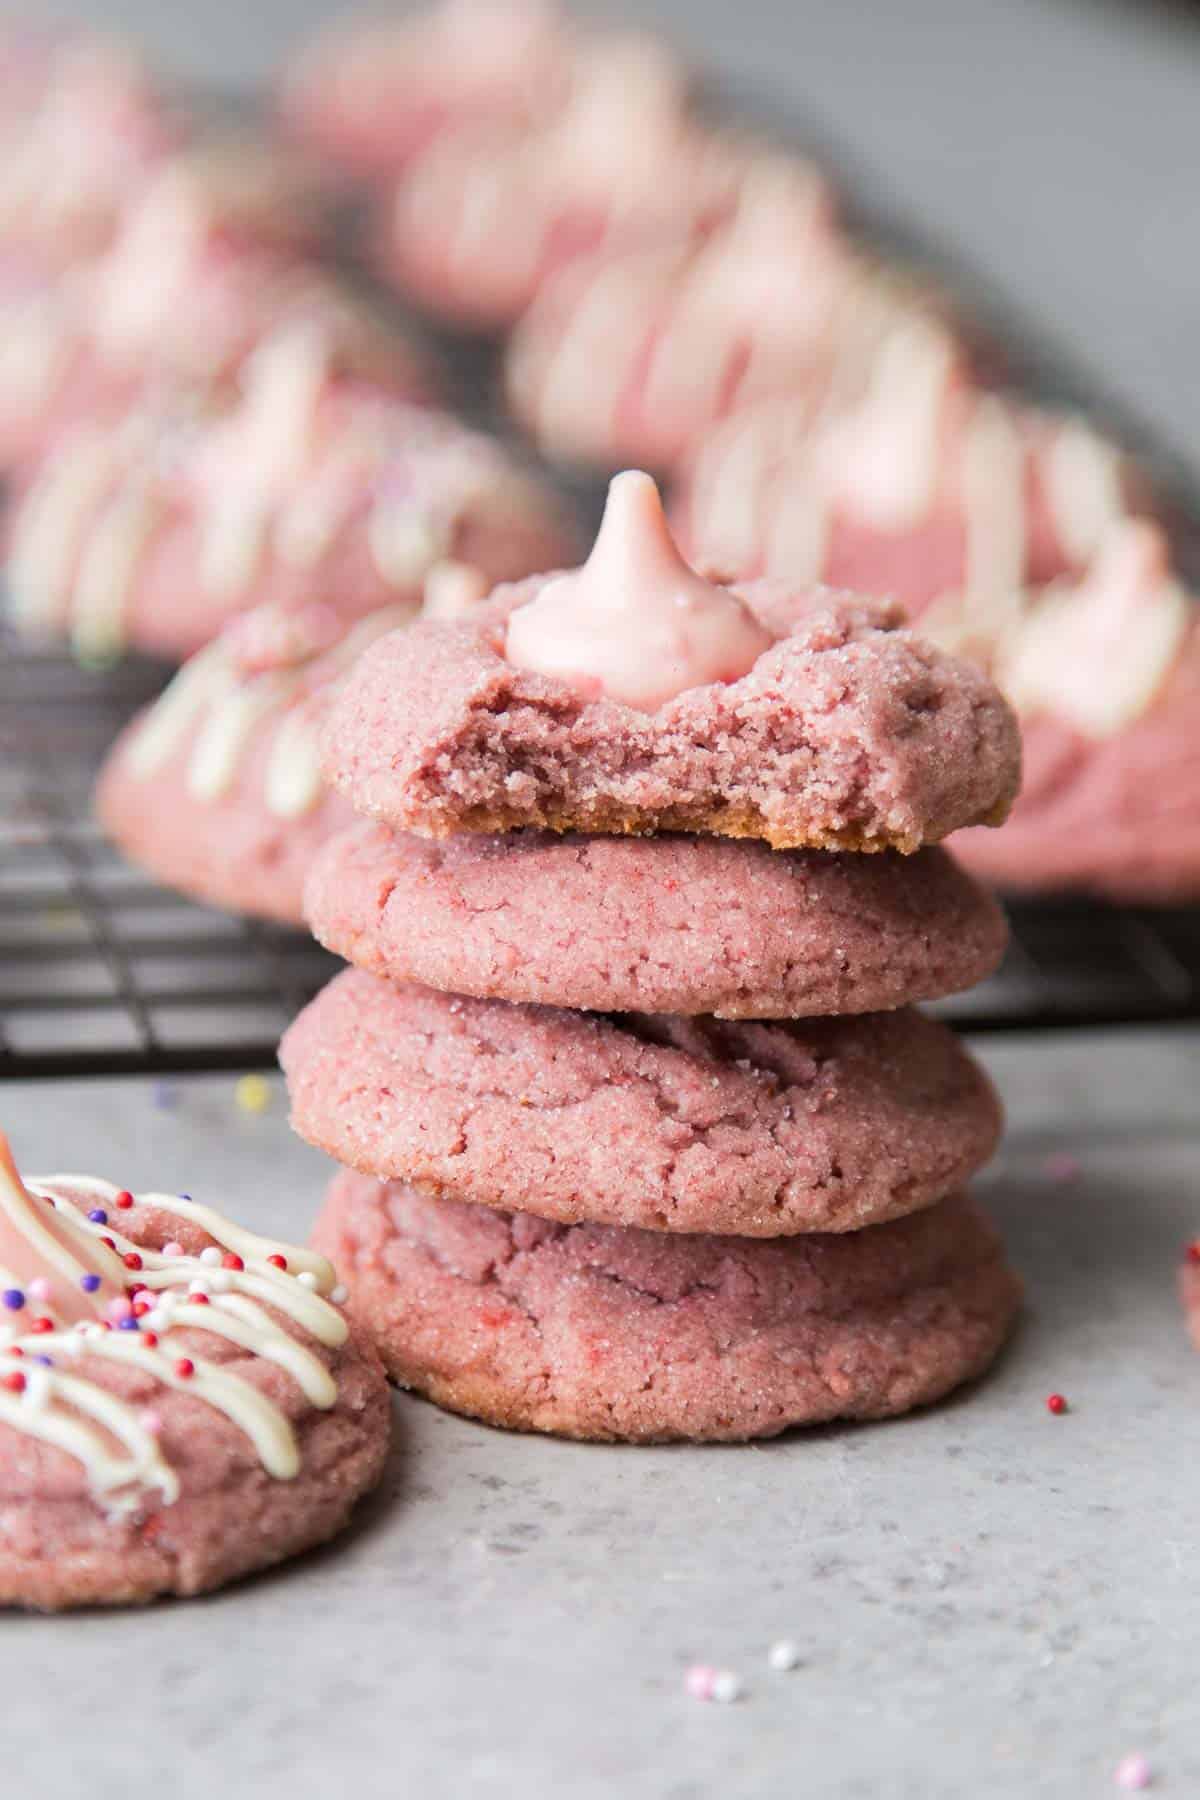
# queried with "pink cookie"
point(589, 1331)
point(204, 270)
point(846, 733)
point(83, 127)
point(373, 95)
point(926, 489)
point(170, 1419)
point(314, 486)
point(649, 1120)
point(632, 356)
point(1105, 676)
point(662, 924)
point(216, 788)
point(476, 227)
point(1189, 1288)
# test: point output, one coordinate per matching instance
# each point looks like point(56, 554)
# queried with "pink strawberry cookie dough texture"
point(216, 788)
point(660, 924)
point(589, 1331)
point(631, 697)
point(312, 486)
point(1105, 676)
point(181, 1401)
point(648, 1120)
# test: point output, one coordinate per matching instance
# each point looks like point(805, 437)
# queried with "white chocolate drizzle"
point(90, 1305)
point(225, 704)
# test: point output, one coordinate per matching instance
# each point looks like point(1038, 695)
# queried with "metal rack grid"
point(102, 970)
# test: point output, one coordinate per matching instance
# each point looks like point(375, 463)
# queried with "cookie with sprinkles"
point(181, 1401)
point(312, 484)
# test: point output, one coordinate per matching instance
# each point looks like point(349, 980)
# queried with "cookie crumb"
point(783, 1655)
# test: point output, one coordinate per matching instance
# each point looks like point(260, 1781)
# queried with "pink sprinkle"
point(698, 1681)
point(172, 1249)
point(1133, 1771)
point(118, 1309)
point(39, 1287)
point(1061, 1166)
point(152, 1422)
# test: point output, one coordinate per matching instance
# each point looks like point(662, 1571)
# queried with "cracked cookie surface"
point(665, 924)
point(849, 733)
point(588, 1331)
point(652, 1120)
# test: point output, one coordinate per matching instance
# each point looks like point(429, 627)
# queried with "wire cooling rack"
point(100, 970)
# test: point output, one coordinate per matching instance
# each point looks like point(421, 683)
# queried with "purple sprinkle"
point(98, 1216)
point(128, 1323)
point(185, 1196)
point(47, 1362)
point(89, 1283)
point(14, 1299)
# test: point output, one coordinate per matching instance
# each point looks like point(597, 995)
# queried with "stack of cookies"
point(642, 1136)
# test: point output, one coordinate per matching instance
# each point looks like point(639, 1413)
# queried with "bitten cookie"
point(631, 697)
point(1105, 676)
point(590, 1332)
point(181, 1402)
point(312, 486)
point(661, 924)
point(650, 1120)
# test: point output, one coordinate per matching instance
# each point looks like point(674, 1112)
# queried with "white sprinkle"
point(339, 1295)
point(726, 1686)
point(784, 1655)
point(198, 1287)
point(306, 1278)
point(211, 1257)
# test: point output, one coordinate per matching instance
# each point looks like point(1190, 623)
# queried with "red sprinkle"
point(1192, 1253)
point(185, 1367)
point(150, 1337)
point(141, 1308)
point(124, 1200)
point(108, 1243)
point(15, 1350)
point(198, 1299)
point(278, 1262)
point(42, 1324)
point(231, 1260)
point(14, 1381)
point(1056, 1403)
point(132, 1260)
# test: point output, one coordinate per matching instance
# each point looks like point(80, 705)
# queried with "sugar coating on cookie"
point(591, 1332)
point(216, 787)
point(660, 1121)
point(181, 1401)
point(1105, 675)
point(658, 924)
point(925, 488)
point(311, 486)
point(845, 732)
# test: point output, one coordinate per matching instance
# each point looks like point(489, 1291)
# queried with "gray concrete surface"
point(989, 1601)
point(1055, 142)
